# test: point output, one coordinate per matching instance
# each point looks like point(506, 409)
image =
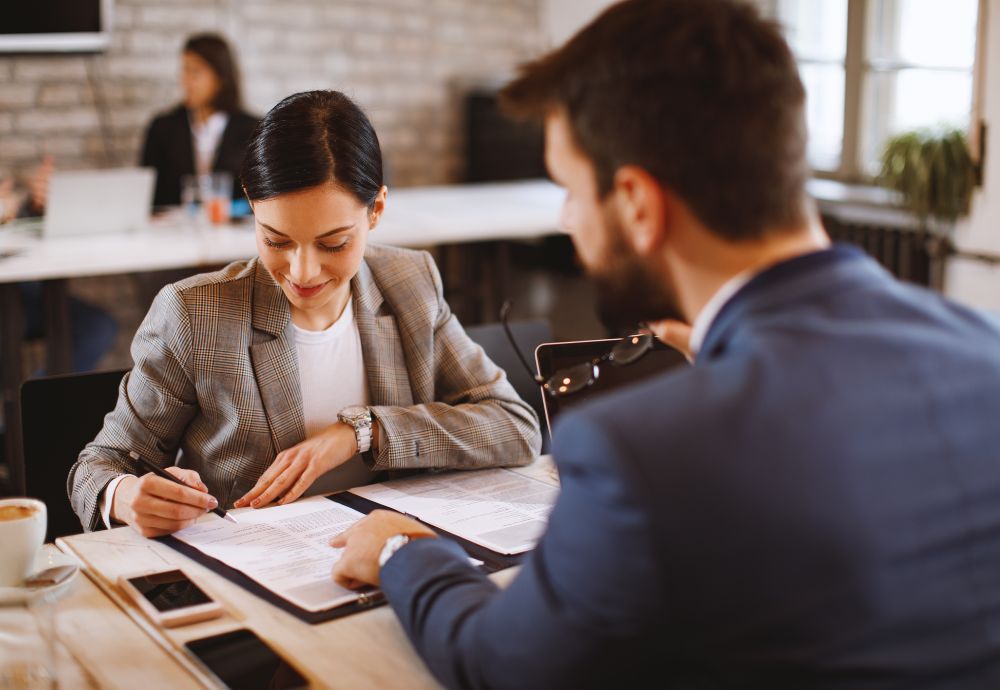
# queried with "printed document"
point(284, 548)
point(287, 548)
point(502, 510)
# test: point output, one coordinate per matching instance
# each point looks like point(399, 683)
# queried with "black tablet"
point(551, 357)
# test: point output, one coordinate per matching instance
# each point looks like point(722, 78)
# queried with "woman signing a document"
point(314, 366)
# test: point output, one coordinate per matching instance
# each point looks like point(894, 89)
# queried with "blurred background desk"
point(469, 221)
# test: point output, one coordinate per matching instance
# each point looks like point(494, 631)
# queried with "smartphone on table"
point(170, 598)
point(242, 661)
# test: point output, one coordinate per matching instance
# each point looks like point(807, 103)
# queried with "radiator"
point(903, 251)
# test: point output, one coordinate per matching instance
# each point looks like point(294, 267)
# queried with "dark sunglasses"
point(579, 376)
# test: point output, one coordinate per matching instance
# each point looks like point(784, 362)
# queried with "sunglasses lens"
point(631, 348)
point(571, 380)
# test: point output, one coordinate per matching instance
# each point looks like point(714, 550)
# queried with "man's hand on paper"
point(155, 506)
point(363, 542)
point(295, 469)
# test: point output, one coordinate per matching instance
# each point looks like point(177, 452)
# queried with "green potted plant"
point(935, 176)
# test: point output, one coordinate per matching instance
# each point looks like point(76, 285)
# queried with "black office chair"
point(59, 416)
point(529, 334)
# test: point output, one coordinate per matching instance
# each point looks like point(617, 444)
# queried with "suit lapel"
point(185, 149)
point(385, 362)
point(274, 362)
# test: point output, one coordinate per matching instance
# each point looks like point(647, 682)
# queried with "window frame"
point(857, 65)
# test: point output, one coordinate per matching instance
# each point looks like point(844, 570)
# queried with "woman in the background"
point(208, 131)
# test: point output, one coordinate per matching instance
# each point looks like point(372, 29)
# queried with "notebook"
point(83, 202)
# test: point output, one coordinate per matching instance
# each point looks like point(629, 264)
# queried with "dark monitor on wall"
point(55, 26)
point(498, 148)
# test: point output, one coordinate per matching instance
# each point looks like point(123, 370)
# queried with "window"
point(873, 68)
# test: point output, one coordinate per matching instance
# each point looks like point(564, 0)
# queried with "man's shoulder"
point(673, 406)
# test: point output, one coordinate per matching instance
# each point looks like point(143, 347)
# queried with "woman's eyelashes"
point(275, 244)
point(334, 247)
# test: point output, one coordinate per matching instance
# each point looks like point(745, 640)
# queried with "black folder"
point(366, 599)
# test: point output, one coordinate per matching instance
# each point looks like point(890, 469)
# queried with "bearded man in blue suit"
point(816, 502)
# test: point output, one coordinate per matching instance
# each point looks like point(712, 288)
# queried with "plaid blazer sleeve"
point(156, 401)
point(476, 418)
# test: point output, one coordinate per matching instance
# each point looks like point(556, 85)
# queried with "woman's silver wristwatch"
point(360, 418)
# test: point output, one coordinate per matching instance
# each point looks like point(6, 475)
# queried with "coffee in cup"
point(22, 532)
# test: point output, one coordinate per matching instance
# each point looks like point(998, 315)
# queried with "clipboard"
point(366, 599)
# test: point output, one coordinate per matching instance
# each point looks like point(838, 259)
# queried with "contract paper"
point(499, 509)
point(284, 548)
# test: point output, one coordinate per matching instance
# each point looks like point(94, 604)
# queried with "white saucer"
point(46, 558)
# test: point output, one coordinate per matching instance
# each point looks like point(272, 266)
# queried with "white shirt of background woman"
point(206, 137)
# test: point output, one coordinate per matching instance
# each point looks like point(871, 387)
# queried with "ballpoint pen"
point(160, 472)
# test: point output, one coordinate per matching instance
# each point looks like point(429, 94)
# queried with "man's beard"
point(628, 292)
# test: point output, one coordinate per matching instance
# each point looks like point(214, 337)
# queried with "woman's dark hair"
point(214, 50)
point(703, 94)
point(309, 139)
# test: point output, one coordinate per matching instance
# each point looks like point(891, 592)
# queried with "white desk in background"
point(414, 217)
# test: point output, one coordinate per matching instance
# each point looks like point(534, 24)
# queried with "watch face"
point(355, 413)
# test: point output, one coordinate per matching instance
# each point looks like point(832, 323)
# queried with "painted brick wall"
point(407, 62)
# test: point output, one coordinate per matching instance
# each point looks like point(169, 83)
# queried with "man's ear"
point(642, 207)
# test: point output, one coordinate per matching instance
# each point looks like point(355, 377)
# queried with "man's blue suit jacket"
point(814, 504)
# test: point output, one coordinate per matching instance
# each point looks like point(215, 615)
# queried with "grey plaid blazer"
point(216, 377)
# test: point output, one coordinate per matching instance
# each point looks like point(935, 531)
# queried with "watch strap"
point(391, 546)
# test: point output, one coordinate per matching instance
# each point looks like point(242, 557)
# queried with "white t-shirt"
point(332, 376)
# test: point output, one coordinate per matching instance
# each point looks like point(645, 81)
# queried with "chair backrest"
point(529, 334)
point(59, 416)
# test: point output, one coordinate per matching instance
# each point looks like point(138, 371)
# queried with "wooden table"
point(106, 642)
point(445, 215)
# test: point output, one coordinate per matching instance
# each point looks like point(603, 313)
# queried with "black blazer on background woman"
point(169, 149)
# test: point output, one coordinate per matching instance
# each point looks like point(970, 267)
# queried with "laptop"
point(551, 357)
point(84, 202)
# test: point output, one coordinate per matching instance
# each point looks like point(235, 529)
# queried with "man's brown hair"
point(703, 94)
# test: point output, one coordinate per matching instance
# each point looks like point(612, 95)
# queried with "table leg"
point(11, 332)
point(58, 332)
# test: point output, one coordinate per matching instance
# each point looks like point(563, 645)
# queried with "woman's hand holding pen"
point(295, 469)
point(155, 506)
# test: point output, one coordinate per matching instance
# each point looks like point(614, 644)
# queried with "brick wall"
point(406, 62)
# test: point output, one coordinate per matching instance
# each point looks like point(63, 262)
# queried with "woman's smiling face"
point(312, 243)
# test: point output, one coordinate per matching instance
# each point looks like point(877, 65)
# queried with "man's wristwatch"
point(392, 545)
point(360, 418)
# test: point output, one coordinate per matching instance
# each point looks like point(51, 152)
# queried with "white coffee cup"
point(21, 537)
